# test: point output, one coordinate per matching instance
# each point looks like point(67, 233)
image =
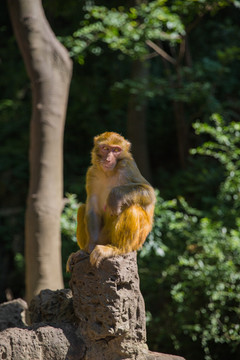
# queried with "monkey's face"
point(109, 156)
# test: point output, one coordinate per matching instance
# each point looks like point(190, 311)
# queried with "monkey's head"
point(109, 148)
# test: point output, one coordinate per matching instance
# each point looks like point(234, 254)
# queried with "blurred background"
point(164, 74)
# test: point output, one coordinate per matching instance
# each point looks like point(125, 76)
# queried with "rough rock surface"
point(12, 314)
point(52, 307)
point(104, 319)
point(42, 342)
point(52, 336)
point(111, 309)
point(160, 356)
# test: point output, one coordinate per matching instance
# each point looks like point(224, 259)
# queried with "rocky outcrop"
point(41, 342)
point(13, 314)
point(103, 318)
point(110, 307)
point(53, 307)
point(52, 335)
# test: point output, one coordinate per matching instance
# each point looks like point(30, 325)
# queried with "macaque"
point(118, 213)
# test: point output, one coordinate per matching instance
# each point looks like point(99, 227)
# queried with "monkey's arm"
point(136, 190)
point(93, 222)
point(129, 194)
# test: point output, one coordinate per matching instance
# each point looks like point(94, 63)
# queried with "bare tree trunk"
point(136, 122)
point(179, 106)
point(182, 132)
point(50, 69)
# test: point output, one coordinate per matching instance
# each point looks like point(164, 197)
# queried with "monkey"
point(119, 209)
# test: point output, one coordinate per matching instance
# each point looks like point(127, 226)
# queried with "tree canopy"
point(165, 74)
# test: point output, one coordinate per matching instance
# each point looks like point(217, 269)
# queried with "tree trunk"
point(182, 132)
point(181, 123)
point(136, 122)
point(50, 69)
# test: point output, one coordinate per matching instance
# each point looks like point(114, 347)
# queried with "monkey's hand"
point(74, 258)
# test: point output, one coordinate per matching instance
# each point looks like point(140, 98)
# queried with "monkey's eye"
point(106, 148)
point(117, 149)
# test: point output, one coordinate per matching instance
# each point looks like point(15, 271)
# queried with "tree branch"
point(161, 52)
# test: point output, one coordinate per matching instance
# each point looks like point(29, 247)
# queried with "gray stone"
point(43, 342)
point(51, 337)
point(52, 307)
point(160, 356)
point(12, 314)
point(110, 307)
point(104, 319)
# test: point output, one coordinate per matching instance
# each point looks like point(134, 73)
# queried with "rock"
point(159, 356)
point(108, 302)
point(41, 343)
point(110, 308)
point(104, 319)
point(52, 307)
point(12, 314)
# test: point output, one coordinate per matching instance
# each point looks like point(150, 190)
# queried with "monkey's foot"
point(74, 258)
point(99, 253)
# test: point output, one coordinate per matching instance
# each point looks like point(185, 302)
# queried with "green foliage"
point(189, 8)
point(127, 28)
point(69, 217)
point(225, 147)
point(198, 266)
point(68, 230)
point(124, 29)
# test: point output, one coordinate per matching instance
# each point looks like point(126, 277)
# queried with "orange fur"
point(119, 209)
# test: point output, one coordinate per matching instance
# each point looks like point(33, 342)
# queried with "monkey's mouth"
point(108, 166)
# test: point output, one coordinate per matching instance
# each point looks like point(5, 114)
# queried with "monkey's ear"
point(95, 139)
point(128, 145)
